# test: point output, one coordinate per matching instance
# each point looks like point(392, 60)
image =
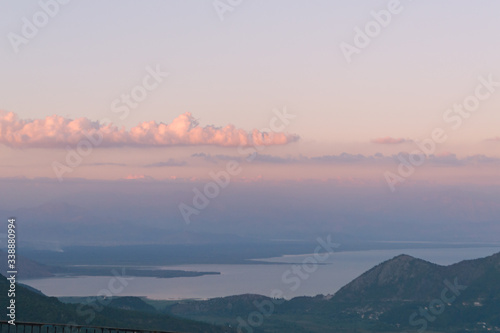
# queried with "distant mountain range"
point(401, 294)
point(28, 268)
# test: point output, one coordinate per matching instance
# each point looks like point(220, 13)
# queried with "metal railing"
point(24, 327)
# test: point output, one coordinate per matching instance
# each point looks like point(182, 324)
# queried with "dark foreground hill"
point(34, 307)
point(403, 293)
point(406, 278)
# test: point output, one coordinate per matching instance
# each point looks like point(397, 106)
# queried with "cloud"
point(450, 159)
point(347, 158)
point(494, 139)
point(258, 158)
point(107, 164)
point(445, 159)
point(276, 159)
point(481, 159)
point(170, 162)
point(273, 159)
point(138, 177)
point(58, 132)
point(217, 157)
point(389, 140)
point(206, 157)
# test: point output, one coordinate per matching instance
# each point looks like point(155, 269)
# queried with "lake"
point(339, 269)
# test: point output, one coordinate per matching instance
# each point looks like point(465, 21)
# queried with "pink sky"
point(178, 99)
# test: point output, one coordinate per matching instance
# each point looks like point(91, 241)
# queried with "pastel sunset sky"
point(176, 89)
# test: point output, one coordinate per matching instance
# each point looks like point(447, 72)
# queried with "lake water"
point(339, 269)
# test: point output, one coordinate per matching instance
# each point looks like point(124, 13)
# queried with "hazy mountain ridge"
point(26, 267)
point(30, 269)
point(98, 215)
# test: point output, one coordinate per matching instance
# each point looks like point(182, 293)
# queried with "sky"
point(390, 94)
point(227, 65)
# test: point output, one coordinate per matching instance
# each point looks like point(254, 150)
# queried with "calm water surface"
point(339, 269)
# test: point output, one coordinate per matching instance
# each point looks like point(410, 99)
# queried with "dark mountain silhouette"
point(387, 298)
point(34, 307)
point(406, 278)
point(400, 294)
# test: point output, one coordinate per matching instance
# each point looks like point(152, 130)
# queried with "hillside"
point(403, 293)
point(389, 297)
point(27, 268)
point(405, 278)
point(33, 307)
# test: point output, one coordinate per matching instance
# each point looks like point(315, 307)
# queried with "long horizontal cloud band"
point(57, 132)
point(346, 158)
point(390, 141)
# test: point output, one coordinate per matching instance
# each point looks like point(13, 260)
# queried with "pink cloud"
point(389, 140)
point(494, 139)
point(135, 177)
point(57, 132)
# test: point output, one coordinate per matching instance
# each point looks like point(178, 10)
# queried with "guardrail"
point(24, 327)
